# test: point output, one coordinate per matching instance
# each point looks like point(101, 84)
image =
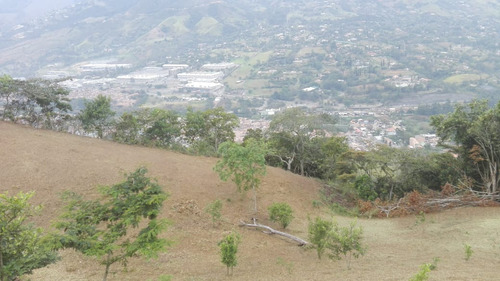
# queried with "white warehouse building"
point(200, 76)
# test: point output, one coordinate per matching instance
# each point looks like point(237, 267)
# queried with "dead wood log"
point(271, 231)
point(388, 209)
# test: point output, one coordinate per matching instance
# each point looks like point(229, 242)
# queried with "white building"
point(200, 76)
point(206, 87)
point(219, 66)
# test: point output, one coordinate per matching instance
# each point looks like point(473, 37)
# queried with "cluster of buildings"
point(366, 130)
point(123, 83)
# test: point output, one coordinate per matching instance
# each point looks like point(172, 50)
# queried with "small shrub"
point(423, 274)
point(228, 249)
point(281, 213)
point(214, 210)
point(344, 211)
point(420, 218)
point(319, 232)
point(316, 203)
point(346, 241)
point(434, 263)
point(468, 251)
point(340, 241)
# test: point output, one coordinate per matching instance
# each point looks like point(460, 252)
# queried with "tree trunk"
point(254, 200)
point(494, 179)
point(108, 264)
point(288, 162)
point(273, 231)
point(2, 277)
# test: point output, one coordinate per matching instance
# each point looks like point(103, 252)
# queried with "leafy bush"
point(281, 213)
point(423, 274)
point(228, 249)
point(365, 187)
point(214, 210)
point(340, 241)
point(319, 232)
point(434, 263)
point(468, 251)
point(23, 247)
point(346, 241)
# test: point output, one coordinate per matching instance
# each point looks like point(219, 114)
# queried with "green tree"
point(7, 91)
point(365, 187)
point(293, 130)
point(101, 228)
point(151, 127)
point(214, 210)
point(346, 241)
point(228, 250)
point(281, 146)
point(475, 130)
point(256, 134)
point(319, 234)
point(244, 165)
point(127, 129)
point(23, 247)
point(281, 213)
point(97, 115)
point(332, 151)
point(340, 241)
point(163, 127)
point(391, 172)
point(206, 130)
point(38, 102)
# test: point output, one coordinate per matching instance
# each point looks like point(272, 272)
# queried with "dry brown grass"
point(50, 162)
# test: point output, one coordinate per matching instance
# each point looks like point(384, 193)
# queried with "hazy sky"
point(18, 11)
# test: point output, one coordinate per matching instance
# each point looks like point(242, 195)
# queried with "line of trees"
point(296, 140)
point(37, 102)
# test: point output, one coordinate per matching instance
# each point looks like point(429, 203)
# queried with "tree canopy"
point(38, 102)
point(96, 116)
point(474, 132)
point(291, 134)
point(206, 130)
point(102, 228)
point(23, 247)
point(244, 165)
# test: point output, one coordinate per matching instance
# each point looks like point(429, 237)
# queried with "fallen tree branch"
point(273, 231)
point(387, 209)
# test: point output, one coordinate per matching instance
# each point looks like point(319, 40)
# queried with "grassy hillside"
point(50, 162)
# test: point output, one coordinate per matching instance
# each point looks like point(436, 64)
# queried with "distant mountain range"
point(13, 12)
point(140, 31)
point(130, 29)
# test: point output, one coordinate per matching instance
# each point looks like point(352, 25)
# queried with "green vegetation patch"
point(174, 25)
point(209, 26)
point(460, 78)
point(246, 62)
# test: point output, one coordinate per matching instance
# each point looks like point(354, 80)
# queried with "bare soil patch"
point(50, 162)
